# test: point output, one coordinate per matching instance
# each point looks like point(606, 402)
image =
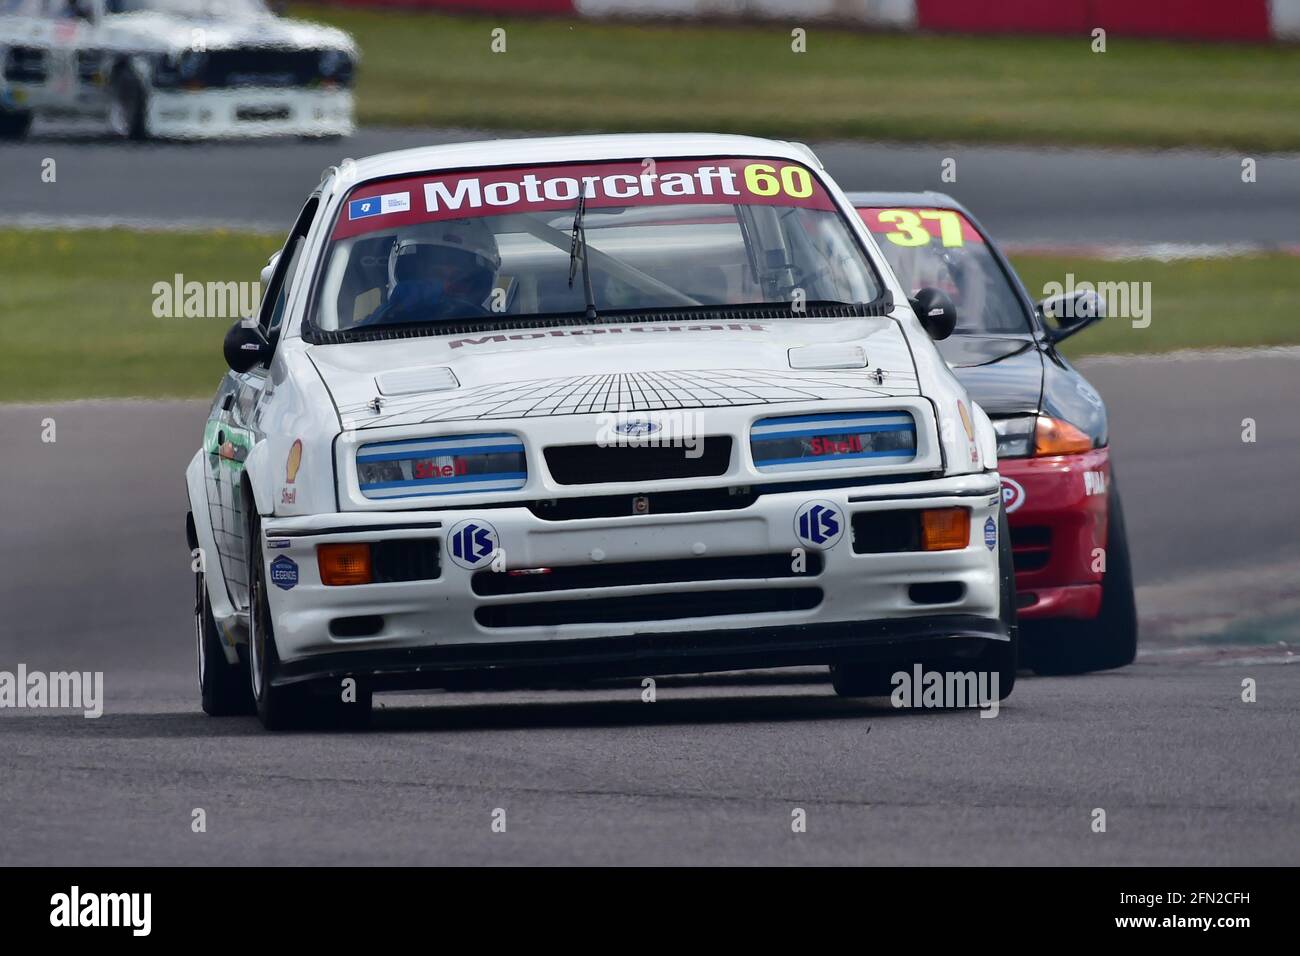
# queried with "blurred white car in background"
point(173, 68)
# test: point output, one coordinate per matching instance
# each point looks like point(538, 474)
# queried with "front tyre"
point(327, 704)
point(223, 687)
point(855, 679)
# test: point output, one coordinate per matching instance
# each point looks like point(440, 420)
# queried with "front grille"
point(596, 464)
point(274, 68)
point(405, 559)
point(654, 503)
point(25, 65)
point(634, 573)
point(649, 607)
point(1031, 548)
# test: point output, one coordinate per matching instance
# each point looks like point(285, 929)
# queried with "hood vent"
point(416, 381)
point(828, 356)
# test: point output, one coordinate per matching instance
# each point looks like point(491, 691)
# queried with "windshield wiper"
point(578, 249)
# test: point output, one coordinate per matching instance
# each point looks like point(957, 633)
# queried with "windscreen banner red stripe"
point(377, 207)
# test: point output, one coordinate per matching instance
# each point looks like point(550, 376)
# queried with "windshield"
point(215, 9)
point(940, 248)
point(659, 235)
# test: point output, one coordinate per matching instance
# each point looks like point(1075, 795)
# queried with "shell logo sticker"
point(1013, 494)
point(966, 423)
point(293, 462)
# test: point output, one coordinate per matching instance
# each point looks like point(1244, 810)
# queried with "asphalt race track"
point(1024, 195)
point(94, 575)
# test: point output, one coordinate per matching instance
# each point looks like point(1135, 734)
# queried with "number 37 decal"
point(911, 226)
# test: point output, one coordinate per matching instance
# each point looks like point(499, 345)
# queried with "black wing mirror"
point(1070, 312)
point(245, 347)
point(937, 313)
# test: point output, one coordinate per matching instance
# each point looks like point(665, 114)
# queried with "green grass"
point(422, 69)
point(1196, 303)
point(76, 309)
point(76, 312)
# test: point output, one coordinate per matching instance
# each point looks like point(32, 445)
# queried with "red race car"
point(1074, 583)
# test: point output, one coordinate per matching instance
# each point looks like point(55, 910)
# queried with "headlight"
point(840, 440)
point(334, 65)
point(1031, 436)
point(1015, 436)
point(452, 465)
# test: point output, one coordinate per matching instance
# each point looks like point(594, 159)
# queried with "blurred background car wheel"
point(127, 106)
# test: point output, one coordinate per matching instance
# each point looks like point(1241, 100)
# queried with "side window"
point(271, 323)
point(270, 314)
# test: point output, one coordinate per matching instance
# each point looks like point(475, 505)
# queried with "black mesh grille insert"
point(594, 464)
point(1031, 548)
point(649, 607)
point(654, 503)
point(405, 559)
point(632, 573)
point(884, 532)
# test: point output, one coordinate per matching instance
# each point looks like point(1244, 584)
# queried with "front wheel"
point(999, 657)
point(854, 679)
point(292, 705)
point(223, 688)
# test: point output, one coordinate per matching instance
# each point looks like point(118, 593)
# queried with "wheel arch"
point(199, 534)
point(256, 480)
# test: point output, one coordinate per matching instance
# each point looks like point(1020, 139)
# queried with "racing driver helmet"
point(456, 260)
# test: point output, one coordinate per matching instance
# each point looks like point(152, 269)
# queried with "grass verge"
point(76, 312)
point(77, 320)
point(422, 69)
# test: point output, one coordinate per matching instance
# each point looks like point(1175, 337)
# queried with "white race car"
point(173, 68)
point(588, 407)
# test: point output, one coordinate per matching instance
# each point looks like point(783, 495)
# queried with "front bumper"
point(844, 604)
point(250, 112)
point(1057, 510)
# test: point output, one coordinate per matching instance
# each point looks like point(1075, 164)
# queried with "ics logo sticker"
point(284, 573)
point(990, 534)
point(819, 524)
point(1013, 495)
point(472, 543)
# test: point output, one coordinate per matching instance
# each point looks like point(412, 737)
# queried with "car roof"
point(925, 198)
point(576, 149)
